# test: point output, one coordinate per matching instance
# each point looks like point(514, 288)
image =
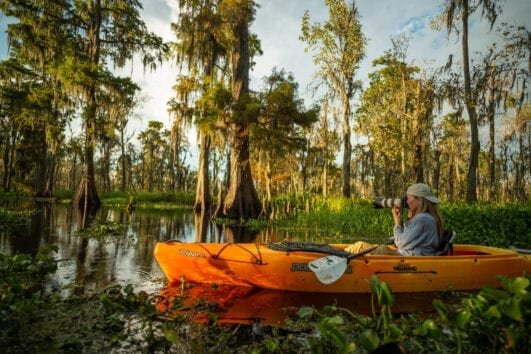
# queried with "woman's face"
point(413, 205)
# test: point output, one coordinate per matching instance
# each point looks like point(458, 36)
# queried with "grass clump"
point(147, 200)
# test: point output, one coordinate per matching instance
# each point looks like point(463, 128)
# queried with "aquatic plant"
point(120, 319)
point(101, 229)
point(14, 218)
point(21, 292)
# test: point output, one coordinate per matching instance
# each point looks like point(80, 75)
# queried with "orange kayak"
point(264, 266)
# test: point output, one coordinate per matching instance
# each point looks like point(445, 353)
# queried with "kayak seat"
point(446, 246)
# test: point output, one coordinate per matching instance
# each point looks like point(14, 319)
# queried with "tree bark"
point(268, 179)
point(492, 192)
point(471, 193)
point(106, 165)
point(436, 171)
point(87, 195)
point(520, 165)
point(325, 179)
point(324, 128)
point(417, 138)
point(9, 157)
point(44, 173)
point(123, 183)
point(242, 200)
point(203, 200)
point(347, 149)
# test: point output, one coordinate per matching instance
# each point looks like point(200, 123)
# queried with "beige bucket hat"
point(422, 190)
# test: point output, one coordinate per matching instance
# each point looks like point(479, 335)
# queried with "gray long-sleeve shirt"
point(418, 237)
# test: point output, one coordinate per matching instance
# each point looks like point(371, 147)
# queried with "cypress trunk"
point(202, 195)
point(242, 200)
point(347, 149)
point(492, 192)
point(471, 193)
point(86, 197)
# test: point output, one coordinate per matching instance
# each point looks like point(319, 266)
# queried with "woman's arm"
point(418, 237)
point(408, 237)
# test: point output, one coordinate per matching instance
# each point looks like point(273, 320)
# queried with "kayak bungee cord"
point(258, 259)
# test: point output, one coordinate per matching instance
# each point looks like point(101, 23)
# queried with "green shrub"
point(502, 225)
point(347, 220)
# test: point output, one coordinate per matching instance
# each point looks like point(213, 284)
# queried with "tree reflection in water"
point(90, 264)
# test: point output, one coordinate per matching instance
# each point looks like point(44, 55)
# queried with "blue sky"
point(278, 23)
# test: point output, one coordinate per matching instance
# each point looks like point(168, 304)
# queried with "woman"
point(421, 234)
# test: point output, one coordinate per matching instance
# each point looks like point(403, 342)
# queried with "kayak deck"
point(258, 265)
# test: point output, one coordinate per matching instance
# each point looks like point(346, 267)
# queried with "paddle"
point(330, 268)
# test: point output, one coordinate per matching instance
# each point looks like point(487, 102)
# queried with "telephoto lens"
point(380, 203)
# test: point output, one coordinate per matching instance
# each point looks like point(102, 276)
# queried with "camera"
point(380, 203)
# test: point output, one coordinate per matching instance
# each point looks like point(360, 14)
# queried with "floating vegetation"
point(14, 218)
point(102, 229)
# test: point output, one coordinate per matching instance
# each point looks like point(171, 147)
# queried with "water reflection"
point(245, 305)
point(88, 265)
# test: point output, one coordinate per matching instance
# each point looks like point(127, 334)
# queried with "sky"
point(278, 26)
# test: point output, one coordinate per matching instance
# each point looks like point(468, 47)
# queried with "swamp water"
point(88, 265)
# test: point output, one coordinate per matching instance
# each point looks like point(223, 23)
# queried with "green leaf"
point(171, 336)
point(350, 347)
point(513, 310)
point(369, 340)
point(462, 318)
point(428, 328)
point(519, 285)
point(420, 331)
point(374, 283)
point(395, 331)
point(333, 321)
point(338, 336)
point(441, 308)
point(429, 324)
point(495, 294)
point(305, 312)
point(383, 293)
point(476, 303)
point(385, 297)
point(271, 344)
point(493, 312)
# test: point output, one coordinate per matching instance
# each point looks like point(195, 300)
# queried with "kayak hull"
point(256, 265)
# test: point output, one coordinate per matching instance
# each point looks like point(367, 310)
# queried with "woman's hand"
point(396, 215)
